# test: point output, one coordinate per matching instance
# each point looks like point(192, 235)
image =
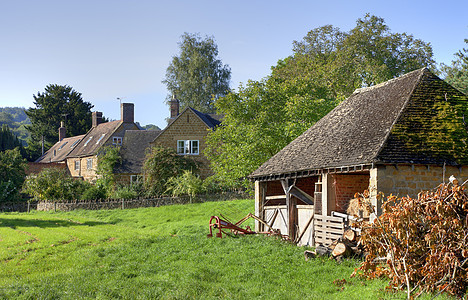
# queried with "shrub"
point(124, 192)
point(12, 174)
point(94, 192)
point(160, 165)
point(185, 184)
point(108, 159)
point(54, 184)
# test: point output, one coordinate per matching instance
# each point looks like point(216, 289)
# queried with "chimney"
point(127, 112)
point(174, 106)
point(62, 131)
point(97, 118)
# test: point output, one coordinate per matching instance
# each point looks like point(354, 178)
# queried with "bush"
point(185, 184)
point(54, 184)
point(124, 192)
point(160, 165)
point(94, 192)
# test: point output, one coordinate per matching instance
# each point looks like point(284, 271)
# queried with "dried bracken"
point(420, 244)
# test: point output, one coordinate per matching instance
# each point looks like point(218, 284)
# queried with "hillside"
point(153, 253)
point(16, 119)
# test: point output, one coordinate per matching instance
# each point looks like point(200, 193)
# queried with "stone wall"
point(403, 180)
point(18, 206)
point(83, 171)
point(135, 203)
point(188, 126)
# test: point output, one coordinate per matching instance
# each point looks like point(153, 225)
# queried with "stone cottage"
point(186, 133)
point(401, 137)
point(82, 160)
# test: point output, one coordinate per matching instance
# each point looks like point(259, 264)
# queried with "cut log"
point(349, 235)
point(322, 250)
point(342, 249)
point(309, 254)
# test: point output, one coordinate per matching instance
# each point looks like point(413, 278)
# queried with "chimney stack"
point(97, 118)
point(174, 103)
point(62, 131)
point(127, 112)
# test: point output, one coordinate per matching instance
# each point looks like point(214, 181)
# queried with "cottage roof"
point(209, 119)
point(95, 138)
point(133, 151)
point(415, 118)
point(60, 150)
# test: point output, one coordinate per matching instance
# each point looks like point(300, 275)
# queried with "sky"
point(121, 49)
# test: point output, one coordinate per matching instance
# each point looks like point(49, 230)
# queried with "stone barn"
point(402, 136)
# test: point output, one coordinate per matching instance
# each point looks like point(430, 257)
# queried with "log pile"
point(348, 245)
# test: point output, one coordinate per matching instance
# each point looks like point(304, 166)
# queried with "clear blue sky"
point(109, 49)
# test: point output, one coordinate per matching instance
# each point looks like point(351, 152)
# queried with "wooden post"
point(291, 205)
point(260, 192)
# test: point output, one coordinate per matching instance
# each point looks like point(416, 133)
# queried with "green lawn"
point(161, 253)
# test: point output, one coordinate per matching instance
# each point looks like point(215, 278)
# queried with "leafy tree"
point(12, 174)
point(160, 165)
point(197, 76)
point(108, 158)
point(457, 73)
point(53, 184)
point(325, 68)
point(58, 103)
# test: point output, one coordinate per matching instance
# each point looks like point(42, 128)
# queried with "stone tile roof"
point(60, 151)
point(415, 118)
point(95, 138)
point(133, 151)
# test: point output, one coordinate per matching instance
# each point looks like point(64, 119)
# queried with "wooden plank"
point(329, 230)
point(329, 225)
point(330, 218)
point(278, 197)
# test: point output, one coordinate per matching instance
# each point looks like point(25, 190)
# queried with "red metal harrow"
point(219, 224)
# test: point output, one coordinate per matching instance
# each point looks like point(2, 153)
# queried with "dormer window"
point(117, 140)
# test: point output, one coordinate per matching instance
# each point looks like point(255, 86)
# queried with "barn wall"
point(346, 186)
point(403, 180)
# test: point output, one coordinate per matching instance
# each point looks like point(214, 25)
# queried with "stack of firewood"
point(347, 246)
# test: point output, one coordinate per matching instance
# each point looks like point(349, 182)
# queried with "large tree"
point(325, 68)
point(457, 73)
point(58, 103)
point(197, 76)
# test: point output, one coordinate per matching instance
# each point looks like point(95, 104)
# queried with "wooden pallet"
point(328, 229)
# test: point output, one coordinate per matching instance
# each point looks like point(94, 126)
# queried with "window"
point(188, 147)
point(90, 138)
point(102, 136)
point(63, 145)
point(77, 165)
point(76, 142)
point(135, 179)
point(89, 163)
point(117, 140)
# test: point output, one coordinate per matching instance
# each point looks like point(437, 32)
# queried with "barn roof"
point(133, 150)
point(415, 118)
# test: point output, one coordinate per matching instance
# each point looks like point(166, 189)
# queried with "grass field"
point(161, 253)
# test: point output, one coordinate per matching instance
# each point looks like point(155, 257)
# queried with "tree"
point(197, 76)
point(457, 73)
point(8, 140)
point(12, 174)
point(160, 165)
point(325, 68)
point(58, 103)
